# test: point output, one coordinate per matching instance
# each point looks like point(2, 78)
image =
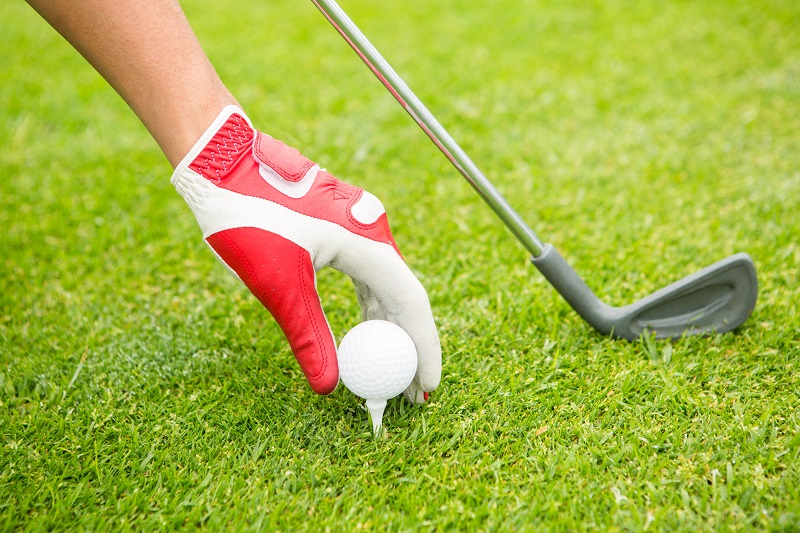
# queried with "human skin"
point(149, 54)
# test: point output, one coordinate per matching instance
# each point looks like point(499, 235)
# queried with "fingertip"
point(326, 383)
point(415, 394)
point(429, 370)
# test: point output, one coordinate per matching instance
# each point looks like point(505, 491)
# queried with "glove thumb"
point(281, 275)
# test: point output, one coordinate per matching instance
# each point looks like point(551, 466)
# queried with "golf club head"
point(717, 299)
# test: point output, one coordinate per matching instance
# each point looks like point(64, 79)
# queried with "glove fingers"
point(387, 289)
point(281, 275)
point(415, 393)
point(372, 310)
point(370, 306)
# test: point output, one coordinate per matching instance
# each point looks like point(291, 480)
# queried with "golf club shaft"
point(718, 298)
point(386, 74)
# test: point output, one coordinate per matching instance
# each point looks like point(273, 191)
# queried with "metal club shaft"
point(390, 79)
point(717, 299)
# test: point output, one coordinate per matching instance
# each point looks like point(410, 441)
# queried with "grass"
point(142, 388)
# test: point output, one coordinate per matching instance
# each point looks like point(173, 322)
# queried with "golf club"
point(717, 299)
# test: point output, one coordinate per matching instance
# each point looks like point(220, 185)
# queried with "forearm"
point(148, 53)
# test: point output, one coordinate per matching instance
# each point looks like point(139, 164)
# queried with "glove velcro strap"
point(286, 161)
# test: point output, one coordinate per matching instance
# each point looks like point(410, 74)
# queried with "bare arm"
point(149, 54)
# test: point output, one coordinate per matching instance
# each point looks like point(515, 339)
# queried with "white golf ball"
point(377, 360)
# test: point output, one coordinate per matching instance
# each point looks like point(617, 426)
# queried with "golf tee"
point(376, 408)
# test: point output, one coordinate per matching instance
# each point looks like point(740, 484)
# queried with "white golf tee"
point(376, 408)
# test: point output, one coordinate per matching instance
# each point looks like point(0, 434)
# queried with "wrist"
point(188, 122)
point(198, 144)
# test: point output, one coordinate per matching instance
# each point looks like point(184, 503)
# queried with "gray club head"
point(714, 300)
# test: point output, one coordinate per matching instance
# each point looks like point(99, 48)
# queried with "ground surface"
point(142, 387)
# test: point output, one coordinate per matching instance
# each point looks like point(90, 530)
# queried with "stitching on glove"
point(251, 273)
point(382, 222)
point(349, 211)
point(288, 162)
point(323, 356)
point(224, 149)
point(340, 191)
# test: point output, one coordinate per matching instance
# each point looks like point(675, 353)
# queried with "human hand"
point(274, 218)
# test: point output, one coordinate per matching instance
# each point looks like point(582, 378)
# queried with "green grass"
point(142, 388)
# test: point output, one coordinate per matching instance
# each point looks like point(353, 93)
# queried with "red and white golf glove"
point(275, 218)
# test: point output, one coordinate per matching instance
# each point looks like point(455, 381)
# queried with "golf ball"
point(377, 360)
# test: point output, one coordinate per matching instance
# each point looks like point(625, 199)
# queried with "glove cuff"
point(207, 136)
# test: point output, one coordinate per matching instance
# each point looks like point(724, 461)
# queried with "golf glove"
point(274, 218)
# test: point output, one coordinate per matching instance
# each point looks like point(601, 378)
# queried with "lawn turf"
point(141, 387)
